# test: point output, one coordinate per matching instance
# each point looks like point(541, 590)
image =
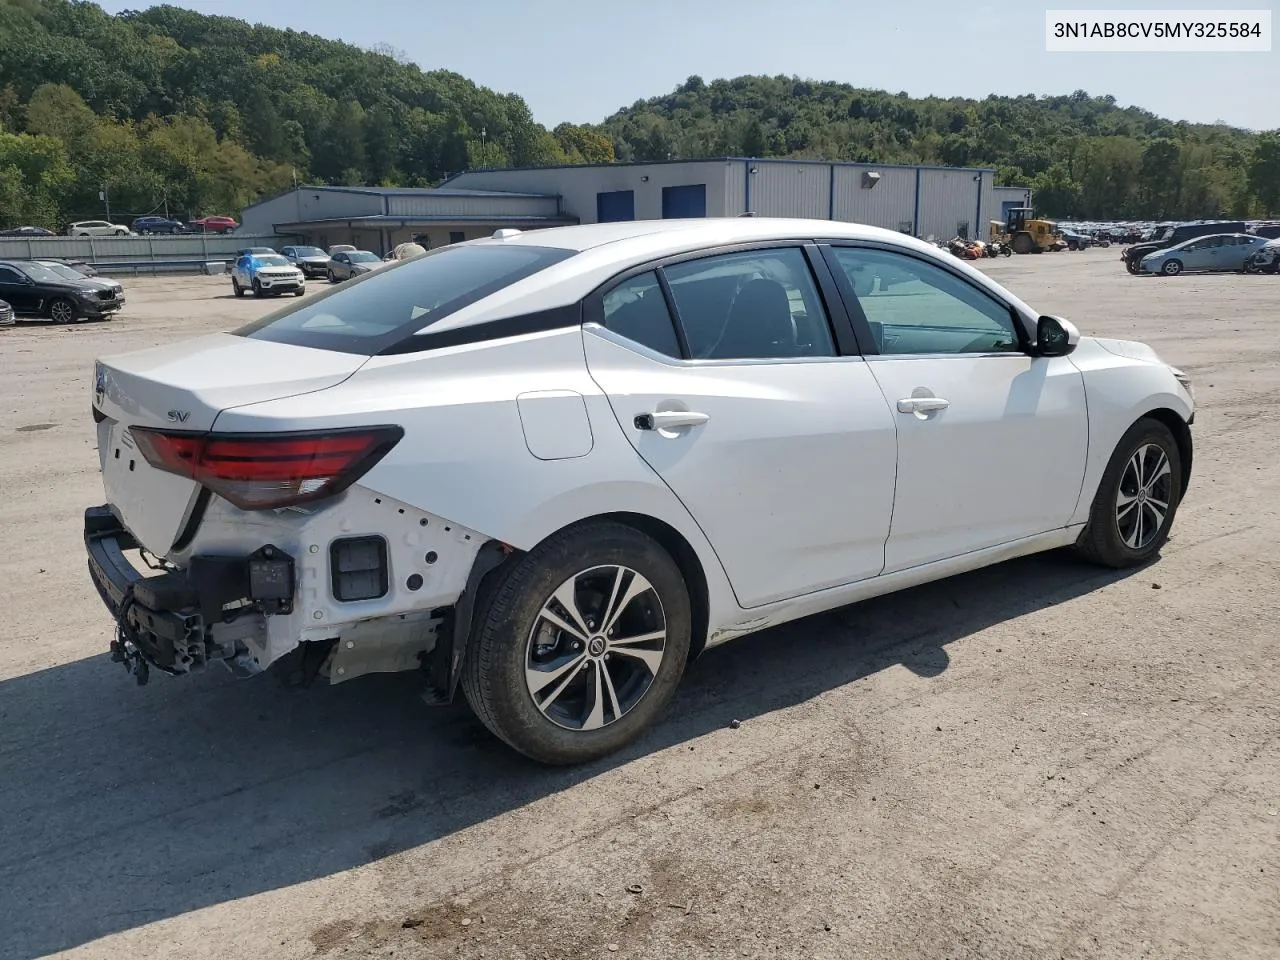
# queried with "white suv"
point(97, 228)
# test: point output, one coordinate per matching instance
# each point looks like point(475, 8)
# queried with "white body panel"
point(1003, 462)
point(805, 489)
point(791, 477)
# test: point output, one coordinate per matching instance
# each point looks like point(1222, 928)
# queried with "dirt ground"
point(1036, 760)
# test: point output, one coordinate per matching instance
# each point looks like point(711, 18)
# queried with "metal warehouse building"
point(925, 201)
point(921, 200)
point(378, 218)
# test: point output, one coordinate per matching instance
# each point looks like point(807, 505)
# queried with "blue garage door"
point(1007, 206)
point(686, 201)
point(614, 206)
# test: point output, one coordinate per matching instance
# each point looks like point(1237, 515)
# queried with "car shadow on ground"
point(122, 806)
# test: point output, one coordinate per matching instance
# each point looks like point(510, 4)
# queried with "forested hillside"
point(195, 114)
point(1084, 155)
point(210, 112)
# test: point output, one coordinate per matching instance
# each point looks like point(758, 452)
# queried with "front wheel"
point(62, 310)
point(1171, 268)
point(236, 288)
point(1136, 501)
point(581, 644)
point(299, 292)
point(332, 278)
point(257, 288)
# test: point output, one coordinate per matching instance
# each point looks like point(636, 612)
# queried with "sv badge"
point(179, 416)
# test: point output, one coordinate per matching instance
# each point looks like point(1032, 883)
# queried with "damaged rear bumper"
point(163, 619)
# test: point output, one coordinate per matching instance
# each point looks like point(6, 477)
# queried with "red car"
point(214, 224)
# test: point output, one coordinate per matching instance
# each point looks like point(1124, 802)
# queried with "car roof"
point(645, 239)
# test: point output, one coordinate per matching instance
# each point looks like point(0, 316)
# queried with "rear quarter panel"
point(466, 455)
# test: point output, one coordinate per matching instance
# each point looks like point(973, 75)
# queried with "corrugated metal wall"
point(445, 205)
point(889, 204)
point(949, 199)
point(790, 189)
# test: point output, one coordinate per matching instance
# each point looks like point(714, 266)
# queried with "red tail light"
point(260, 471)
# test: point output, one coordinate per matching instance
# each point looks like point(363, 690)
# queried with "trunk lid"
point(183, 387)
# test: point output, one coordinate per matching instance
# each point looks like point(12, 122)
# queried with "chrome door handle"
point(666, 419)
point(922, 404)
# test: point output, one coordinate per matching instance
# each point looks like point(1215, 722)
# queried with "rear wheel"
point(580, 645)
point(1171, 268)
point(1136, 501)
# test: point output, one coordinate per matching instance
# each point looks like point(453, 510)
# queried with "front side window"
point(404, 298)
point(636, 309)
point(9, 275)
point(915, 307)
point(759, 304)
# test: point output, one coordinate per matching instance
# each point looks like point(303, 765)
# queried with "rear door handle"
point(666, 419)
point(922, 404)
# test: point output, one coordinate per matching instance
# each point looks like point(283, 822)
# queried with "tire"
point(1171, 268)
point(1112, 537)
point(1022, 243)
point(63, 310)
point(236, 288)
point(257, 288)
point(122, 233)
point(1133, 266)
point(512, 635)
point(299, 292)
point(332, 278)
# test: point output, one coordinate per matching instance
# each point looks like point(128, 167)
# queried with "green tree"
point(1264, 172)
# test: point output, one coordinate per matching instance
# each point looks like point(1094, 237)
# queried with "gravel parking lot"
point(1037, 760)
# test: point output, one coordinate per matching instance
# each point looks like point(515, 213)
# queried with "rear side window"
point(761, 304)
point(635, 309)
point(380, 310)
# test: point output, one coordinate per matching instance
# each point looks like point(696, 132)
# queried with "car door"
point(341, 265)
point(773, 434)
point(991, 439)
point(18, 291)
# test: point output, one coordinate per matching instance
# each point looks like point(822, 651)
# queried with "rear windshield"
point(382, 308)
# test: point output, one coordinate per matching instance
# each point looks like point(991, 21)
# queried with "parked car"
point(146, 225)
point(1076, 241)
point(346, 264)
point(6, 314)
point(1269, 230)
point(69, 268)
point(27, 232)
point(1220, 252)
point(312, 261)
point(57, 292)
point(1265, 259)
point(97, 228)
point(1169, 235)
point(552, 467)
point(340, 247)
point(250, 251)
point(266, 274)
point(215, 224)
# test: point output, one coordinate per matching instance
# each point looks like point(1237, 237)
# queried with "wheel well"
point(1181, 435)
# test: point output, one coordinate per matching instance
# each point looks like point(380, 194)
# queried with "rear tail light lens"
point(267, 470)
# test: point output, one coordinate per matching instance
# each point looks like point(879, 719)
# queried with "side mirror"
point(1055, 337)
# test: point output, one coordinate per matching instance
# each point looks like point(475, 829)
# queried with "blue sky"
point(580, 60)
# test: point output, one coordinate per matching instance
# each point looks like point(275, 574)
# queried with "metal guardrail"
point(190, 248)
point(135, 267)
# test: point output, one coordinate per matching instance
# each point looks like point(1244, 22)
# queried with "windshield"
point(42, 274)
point(274, 260)
point(308, 252)
point(362, 256)
point(386, 307)
point(62, 270)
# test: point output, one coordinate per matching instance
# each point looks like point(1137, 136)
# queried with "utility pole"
point(102, 195)
point(484, 148)
point(166, 203)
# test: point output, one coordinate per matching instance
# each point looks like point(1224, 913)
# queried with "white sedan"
point(552, 467)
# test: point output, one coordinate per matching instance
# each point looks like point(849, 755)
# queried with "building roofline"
point(381, 220)
point(401, 192)
point(725, 159)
